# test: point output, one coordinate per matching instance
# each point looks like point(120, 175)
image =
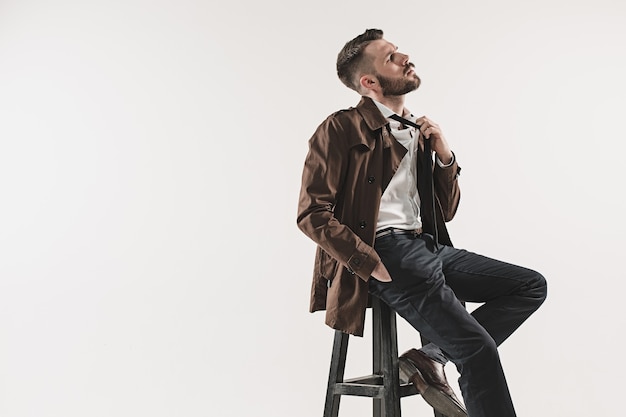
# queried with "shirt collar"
point(387, 112)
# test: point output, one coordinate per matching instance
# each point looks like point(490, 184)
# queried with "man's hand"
point(432, 132)
point(380, 273)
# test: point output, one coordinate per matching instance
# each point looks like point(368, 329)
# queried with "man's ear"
point(368, 82)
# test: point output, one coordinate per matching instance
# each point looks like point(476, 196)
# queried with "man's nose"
point(401, 59)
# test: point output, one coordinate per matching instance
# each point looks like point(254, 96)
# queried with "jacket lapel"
point(392, 149)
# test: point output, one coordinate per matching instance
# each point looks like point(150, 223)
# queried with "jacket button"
point(371, 180)
point(357, 261)
point(363, 224)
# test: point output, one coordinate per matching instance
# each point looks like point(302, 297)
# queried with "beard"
point(398, 86)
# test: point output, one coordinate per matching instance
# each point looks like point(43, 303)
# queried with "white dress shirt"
point(400, 203)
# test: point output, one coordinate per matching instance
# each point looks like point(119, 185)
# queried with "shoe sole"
point(435, 398)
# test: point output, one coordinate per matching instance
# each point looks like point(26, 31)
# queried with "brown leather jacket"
point(352, 157)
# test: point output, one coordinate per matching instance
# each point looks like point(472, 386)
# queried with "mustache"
point(408, 67)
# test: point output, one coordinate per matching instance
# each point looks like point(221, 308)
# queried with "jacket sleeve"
point(323, 176)
point(446, 181)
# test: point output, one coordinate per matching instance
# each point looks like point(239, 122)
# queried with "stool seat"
point(384, 385)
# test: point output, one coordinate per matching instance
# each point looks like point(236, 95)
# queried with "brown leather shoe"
point(429, 378)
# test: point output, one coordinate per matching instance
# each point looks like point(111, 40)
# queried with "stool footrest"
point(362, 390)
point(369, 386)
point(367, 380)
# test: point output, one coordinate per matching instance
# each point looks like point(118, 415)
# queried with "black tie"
point(407, 122)
point(428, 170)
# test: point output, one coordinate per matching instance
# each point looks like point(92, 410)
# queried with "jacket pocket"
point(326, 265)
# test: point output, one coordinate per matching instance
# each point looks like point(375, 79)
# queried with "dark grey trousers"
point(427, 284)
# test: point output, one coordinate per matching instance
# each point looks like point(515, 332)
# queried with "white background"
point(150, 160)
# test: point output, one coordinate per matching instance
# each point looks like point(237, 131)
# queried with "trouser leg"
point(421, 296)
point(510, 293)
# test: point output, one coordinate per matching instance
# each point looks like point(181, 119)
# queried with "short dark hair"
point(351, 59)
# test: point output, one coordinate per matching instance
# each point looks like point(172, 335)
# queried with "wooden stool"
point(384, 383)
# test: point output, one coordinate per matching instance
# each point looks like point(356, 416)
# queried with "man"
point(376, 206)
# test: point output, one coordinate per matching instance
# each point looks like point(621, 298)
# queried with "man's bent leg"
point(419, 294)
point(510, 293)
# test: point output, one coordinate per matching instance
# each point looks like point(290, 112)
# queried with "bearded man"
point(376, 206)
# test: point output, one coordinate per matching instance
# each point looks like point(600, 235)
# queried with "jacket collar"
point(375, 120)
point(370, 113)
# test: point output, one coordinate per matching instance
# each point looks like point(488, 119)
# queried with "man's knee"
point(538, 288)
point(533, 288)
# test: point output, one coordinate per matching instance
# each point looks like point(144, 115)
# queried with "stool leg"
point(386, 359)
point(379, 403)
point(337, 367)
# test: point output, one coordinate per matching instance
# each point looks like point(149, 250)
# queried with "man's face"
point(393, 70)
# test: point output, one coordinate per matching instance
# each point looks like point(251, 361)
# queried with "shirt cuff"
point(442, 165)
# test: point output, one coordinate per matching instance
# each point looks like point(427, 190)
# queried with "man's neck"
point(395, 103)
